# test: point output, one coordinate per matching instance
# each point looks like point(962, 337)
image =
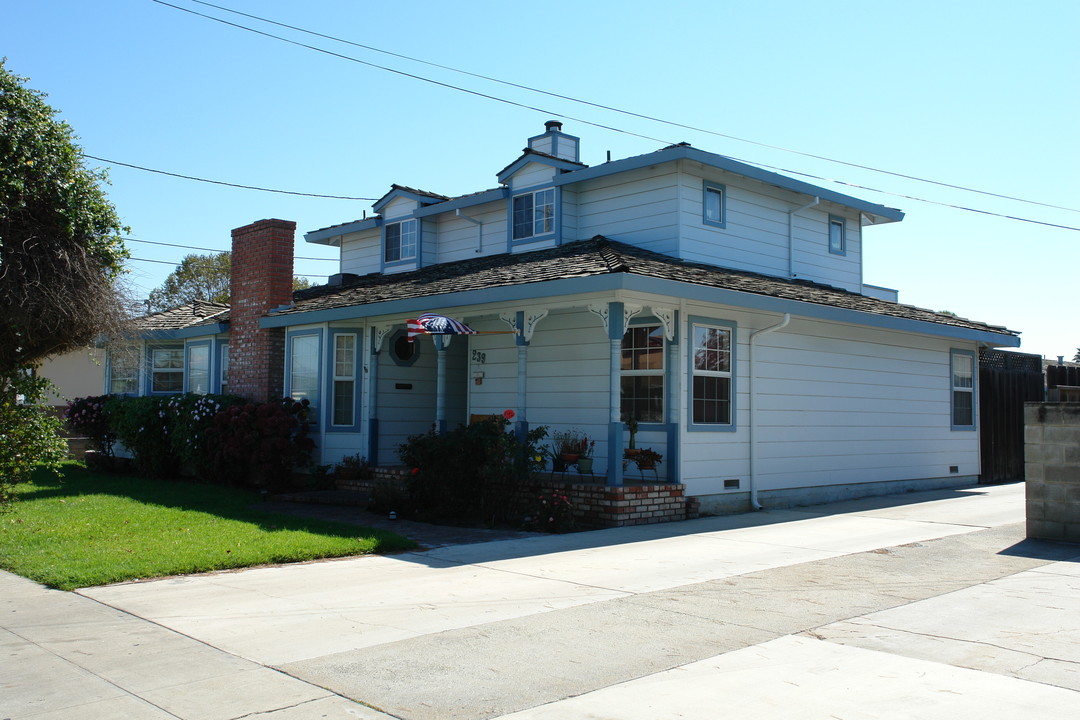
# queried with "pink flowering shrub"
point(551, 512)
point(89, 417)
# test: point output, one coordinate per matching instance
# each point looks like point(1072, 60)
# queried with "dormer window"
point(400, 241)
point(534, 214)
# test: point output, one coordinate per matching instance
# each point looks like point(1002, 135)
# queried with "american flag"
point(432, 324)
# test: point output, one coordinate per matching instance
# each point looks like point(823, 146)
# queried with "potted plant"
point(585, 461)
point(632, 428)
point(568, 445)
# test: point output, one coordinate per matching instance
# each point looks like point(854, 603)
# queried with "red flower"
point(508, 414)
point(415, 470)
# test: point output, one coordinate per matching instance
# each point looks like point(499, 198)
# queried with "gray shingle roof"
point(596, 257)
point(194, 313)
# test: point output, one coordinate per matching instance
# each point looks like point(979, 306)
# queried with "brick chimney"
point(262, 275)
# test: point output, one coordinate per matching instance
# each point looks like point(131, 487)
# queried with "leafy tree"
point(200, 277)
point(1076, 357)
point(197, 277)
point(61, 257)
point(61, 253)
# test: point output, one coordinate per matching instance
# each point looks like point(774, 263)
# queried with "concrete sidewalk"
point(928, 605)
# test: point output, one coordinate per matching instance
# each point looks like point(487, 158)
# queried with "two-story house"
point(720, 305)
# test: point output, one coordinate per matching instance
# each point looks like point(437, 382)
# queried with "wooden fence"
point(1006, 381)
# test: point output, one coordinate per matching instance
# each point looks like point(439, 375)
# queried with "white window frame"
point(540, 211)
point(223, 372)
point(193, 374)
point(304, 376)
point(655, 330)
point(700, 372)
point(961, 386)
point(171, 369)
point(401, 241)
point(343, 373)
point(124, 362)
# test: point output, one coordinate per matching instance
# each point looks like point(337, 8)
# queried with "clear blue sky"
point(982, 94)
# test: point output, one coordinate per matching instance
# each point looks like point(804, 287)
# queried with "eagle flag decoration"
point(432, 324)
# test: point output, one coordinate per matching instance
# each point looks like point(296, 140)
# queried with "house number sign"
point(479, 357)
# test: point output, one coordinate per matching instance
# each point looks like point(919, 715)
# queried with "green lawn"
point(91, 529)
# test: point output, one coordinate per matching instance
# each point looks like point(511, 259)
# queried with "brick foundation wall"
point(262, 275)
point(594, 505)
point(1052, 470)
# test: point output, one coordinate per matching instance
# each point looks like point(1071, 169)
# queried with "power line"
point(629, 113)
point(410, 75)
point(213, 250)
point(169, 262)
point(619, 130)
point(220, 182)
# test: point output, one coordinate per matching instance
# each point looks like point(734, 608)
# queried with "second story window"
point(837, 239)
point(714, 213)
point(400, 241)
point(533, 214)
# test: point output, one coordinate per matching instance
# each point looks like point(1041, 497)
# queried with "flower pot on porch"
point(585, 465)
point(569, 458)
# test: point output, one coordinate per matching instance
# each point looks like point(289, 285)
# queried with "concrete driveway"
point(928, 605)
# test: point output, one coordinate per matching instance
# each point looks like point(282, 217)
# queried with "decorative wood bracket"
point(666, 316)
point(601, 311)
point(381, 331)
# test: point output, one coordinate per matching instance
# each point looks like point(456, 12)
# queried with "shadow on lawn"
point(230, 503)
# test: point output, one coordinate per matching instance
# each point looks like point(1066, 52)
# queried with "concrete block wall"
point(1052, 470)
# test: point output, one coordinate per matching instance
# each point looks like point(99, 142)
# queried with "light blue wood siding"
point(837, 404)
point(361, 253)
point(638, 207)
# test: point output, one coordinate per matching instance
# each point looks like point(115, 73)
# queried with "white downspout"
point(479, 229)
point(791, 234)
point(753, 406)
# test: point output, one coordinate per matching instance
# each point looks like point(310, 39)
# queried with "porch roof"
point(589, 262)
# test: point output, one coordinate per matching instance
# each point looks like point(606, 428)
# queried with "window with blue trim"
point(401, 241)
point(304, 370)
point(123, 369)
point(167, 370)
point(198, 370)
point(963, 390)
point(533, 214)
point(642, 377)
point(837, 235)
point(343, 412)
point(714, 212)
point(711, 375)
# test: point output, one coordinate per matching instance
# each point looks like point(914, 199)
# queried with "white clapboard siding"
point(361, 253)
point(636, 207)
point(755, 234)
point(459, 239)
point(836, 404)
point(812, 259)
point(399, 207)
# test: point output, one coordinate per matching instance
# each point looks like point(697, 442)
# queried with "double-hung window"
point(642, 376)
point(123, 369)
point(401, 241)
point(837, 235)
point(198, 368)
point(304, 369)
point(963, 390)
point(713, 199)
point(533, 214)
point(344, 409)
point(167, 370)
point(710, 391)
